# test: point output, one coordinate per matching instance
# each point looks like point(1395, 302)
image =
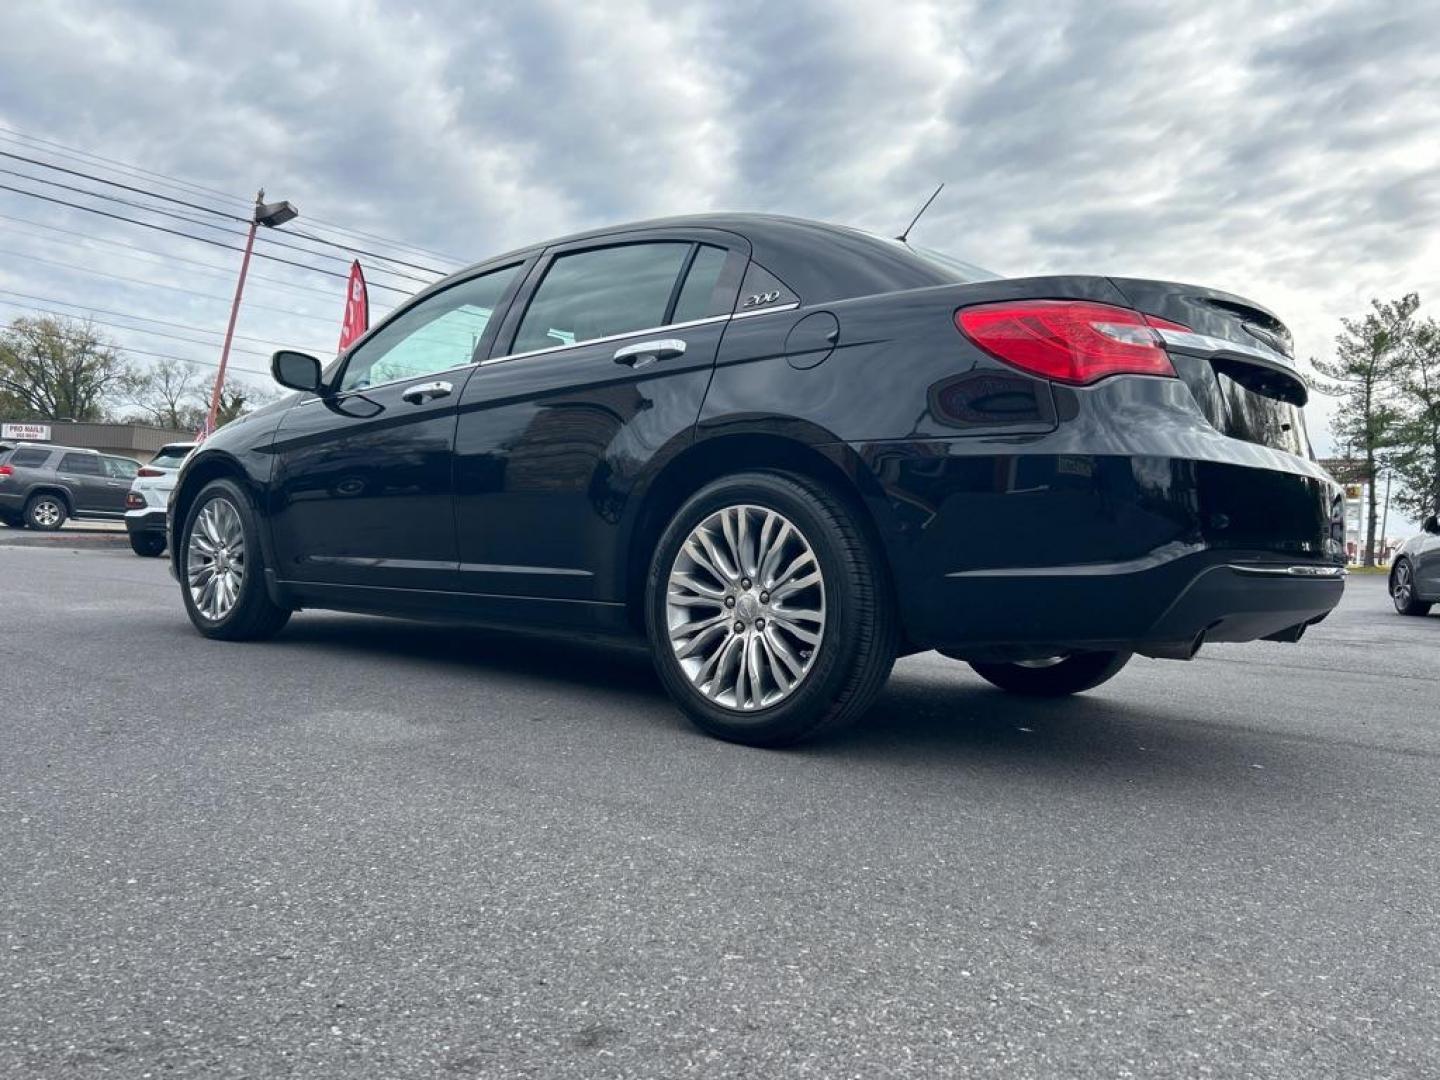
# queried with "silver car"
point(149, 495)
point(1415, 573)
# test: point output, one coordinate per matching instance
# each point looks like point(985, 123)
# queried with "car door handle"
point(416, 394)
point(643, 353)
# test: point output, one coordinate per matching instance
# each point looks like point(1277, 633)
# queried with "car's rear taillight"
point(135, 501)
point(147, 471)
point(1071, 341)
point(7, 470)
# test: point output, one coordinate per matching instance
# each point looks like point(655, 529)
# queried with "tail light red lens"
point(134, 501)
point(1070, 341)
point(147, 471)
point(7, 470)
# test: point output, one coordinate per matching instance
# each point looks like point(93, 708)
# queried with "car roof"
point(56, 446)
point(819, 260)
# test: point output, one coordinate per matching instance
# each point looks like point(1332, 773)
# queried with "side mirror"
point(297, 370)
point(1431, 524)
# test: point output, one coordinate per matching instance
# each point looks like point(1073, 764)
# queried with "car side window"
point(81, 464)
point(121, 468)
point(601, 293)
point(29, 459)
point(437, 334)
point(697, 296)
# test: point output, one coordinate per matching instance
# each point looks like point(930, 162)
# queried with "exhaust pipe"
point(1173, 650)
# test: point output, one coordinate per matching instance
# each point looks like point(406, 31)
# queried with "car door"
point(119, 476)
point(85, 478)
point(363, 483)
point(601, 364)
point(1427, 564)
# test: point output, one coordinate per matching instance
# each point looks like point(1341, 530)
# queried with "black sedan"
point(786, 452)
point(1415, 571)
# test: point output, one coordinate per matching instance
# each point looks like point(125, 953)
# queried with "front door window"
point(438, 334)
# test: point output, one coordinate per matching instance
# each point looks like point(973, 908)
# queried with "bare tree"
point(60, 369)
point(170, 394)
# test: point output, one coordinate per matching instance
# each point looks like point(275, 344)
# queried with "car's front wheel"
point(768, 610)
point(46, 513)
point(147, 545)
point(222, 567)
point(1054, 676)
point(1402, 590)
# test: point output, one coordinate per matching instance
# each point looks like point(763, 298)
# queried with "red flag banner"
point(357, 308)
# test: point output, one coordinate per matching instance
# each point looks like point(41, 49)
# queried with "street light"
point(271, 215)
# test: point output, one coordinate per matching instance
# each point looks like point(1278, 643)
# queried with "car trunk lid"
point(1237, 359)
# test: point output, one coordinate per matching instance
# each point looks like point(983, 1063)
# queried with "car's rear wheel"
point(1054, 676)
point(46, 512)
point(1402, 590)
point(769, 610)
point(222, 567)
point(147, 545)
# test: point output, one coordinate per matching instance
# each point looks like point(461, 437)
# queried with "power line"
point(158, 285)
point(136, 318)
point(132, 329)
point(203, 239)
point(13, 136)
point(225, 214)
point(165, 255)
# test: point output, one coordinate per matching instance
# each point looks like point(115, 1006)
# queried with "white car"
point(149, 495)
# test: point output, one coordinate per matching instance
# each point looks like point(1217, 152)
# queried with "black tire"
point(859, 636)
point(1402, 590)
point(46, 512)
point(253, 616)
point(147, 545)
point(1072, 675)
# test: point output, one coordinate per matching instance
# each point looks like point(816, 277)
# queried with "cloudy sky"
point(1290, 153)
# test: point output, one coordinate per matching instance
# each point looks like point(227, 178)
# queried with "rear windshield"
point(170, 457)
point(967, 272)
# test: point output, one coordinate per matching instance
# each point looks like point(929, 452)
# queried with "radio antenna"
point(919, 213)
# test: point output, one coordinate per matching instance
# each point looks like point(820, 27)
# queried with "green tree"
point(1365, 375)
point(60, 369)
point(1417, 454)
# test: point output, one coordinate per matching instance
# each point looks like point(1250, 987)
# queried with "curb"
point(63, 540)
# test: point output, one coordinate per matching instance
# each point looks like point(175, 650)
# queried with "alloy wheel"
point(745, 607)
point(1403, 588)
point(215, 559)
point(46, 513)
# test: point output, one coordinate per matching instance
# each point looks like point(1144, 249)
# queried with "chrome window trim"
point(766, 311)
point(602, 340)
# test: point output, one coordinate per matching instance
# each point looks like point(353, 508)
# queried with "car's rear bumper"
point(150, 521)
point(1016, 553)
point(12, 501)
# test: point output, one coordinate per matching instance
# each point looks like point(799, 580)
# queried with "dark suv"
point(41, 486)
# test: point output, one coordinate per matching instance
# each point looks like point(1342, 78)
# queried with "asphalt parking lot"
point(374, 848)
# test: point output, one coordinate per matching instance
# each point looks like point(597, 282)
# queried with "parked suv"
point(41, 485)
point(149, 495)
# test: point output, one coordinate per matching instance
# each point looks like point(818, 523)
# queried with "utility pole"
point(271, 215)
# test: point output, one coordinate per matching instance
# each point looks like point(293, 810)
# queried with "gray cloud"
point(1290, 152)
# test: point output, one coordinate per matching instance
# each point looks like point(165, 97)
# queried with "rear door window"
point(602, 293)
point(81, 464)
point(121, 468)
point(700, 296)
